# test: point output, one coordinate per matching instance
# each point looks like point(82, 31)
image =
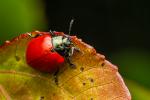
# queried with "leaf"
point(94, 78)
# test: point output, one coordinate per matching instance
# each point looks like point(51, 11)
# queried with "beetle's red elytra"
point(47, 52)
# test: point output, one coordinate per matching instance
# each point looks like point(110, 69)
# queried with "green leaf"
point(93, 78)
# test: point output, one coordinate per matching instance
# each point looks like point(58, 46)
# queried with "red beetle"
point(46, 52)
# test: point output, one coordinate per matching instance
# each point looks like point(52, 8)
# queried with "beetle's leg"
point(72, 50)
point(77, 49)
point(52, 50)
point(71, 64)
point(56, 77)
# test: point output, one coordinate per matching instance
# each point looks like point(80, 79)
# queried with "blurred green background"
point(117, 29)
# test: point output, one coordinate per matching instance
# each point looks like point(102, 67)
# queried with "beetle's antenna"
point(70, 25)
point(52, 32)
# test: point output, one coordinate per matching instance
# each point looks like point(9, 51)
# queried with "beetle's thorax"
point(62, 44)
point(60, 41)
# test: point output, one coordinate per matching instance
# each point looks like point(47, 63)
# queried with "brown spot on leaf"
point(91, 80)
point(102, 64)
point(84, 83)
point(81, 69)
point(42, 98)
point(17, 58)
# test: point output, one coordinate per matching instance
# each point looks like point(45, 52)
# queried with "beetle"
point(47, 52)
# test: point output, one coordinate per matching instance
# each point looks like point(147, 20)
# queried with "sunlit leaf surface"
point(94, 78)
